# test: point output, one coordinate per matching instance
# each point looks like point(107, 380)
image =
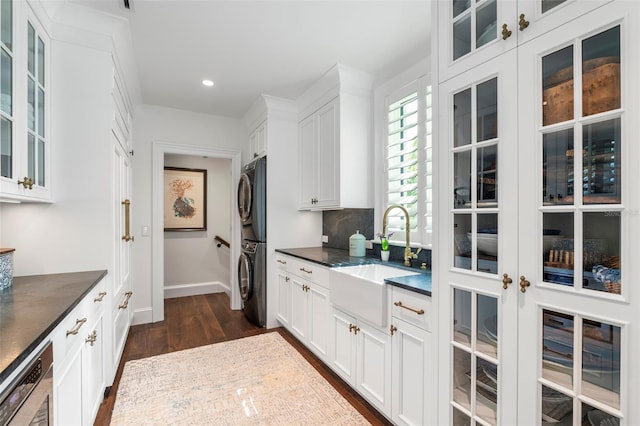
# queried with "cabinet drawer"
point(309, 271)
point(415, 308)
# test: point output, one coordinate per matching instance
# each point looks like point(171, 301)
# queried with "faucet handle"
point(415, 255)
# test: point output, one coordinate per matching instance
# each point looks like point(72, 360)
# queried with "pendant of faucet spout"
point(407, 228)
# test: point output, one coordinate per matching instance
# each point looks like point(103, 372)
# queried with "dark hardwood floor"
point(202, 320)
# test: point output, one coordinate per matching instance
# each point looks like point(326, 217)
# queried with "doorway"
point(160, 150)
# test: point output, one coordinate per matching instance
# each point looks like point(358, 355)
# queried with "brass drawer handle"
point(101, 296)
point(417, 311)
point(304, 270)
point(91, 339)
point(281, 261)
point(76, 328)
point(126, 301)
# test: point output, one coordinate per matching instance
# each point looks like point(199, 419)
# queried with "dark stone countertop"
point(32, 308)
point(334, 258)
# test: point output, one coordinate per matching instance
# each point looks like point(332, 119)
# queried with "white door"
point(579, 222)
point(307, 140)
point(328, 173)
point(478, 243)
point(319, 309)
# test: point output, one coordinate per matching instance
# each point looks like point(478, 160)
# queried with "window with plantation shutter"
point(408, 161)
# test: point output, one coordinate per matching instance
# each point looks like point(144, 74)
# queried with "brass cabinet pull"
point(392, 329)
point(524, 284)
point(354, 328)
point(126, 301)
point(127, 221)
point(506, 281)
point(26, 182)
point(286, 279)
point(304, 270)
point(91, 339)
point(523, 23)
point(281, 261)
point(506, 33)
point(101, 296)
point(76, 328)
point(417, 311)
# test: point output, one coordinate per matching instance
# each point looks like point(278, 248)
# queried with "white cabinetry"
point(334, 138)
point(537, 274)
point(413, 359)
point(361, 355)
point(79, 369)
point(306, 286)
point(258, 141)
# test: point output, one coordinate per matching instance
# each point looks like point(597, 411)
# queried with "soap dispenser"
point(357, 245)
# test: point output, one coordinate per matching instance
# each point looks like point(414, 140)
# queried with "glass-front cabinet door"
point(478, 117)
point(578, 228)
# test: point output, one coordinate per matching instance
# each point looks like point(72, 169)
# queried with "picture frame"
point(185, 199)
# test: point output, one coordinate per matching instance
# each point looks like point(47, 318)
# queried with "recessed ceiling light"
point(207, 83)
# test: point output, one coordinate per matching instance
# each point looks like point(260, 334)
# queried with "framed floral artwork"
point(185, 199)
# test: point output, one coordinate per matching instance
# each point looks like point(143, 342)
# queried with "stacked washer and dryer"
point(252, 266)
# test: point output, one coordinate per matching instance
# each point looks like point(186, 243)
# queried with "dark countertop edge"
point(346, 260)
point(46, 332)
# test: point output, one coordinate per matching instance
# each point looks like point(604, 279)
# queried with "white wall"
point(193, 263)
point(158, 124)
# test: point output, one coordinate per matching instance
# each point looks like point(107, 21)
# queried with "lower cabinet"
point(310, 311)
point(361, 355)
point(79, 368)
point(413, 354)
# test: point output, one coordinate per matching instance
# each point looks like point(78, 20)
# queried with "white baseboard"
point(182, 290)
point(142, 316)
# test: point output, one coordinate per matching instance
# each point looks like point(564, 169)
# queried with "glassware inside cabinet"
point(558, 255)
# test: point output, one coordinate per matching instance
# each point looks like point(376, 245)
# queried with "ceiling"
point(273, 47)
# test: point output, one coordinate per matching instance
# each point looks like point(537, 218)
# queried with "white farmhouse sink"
point(360, 290)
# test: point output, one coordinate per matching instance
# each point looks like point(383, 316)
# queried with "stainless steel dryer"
point(252, 200)
point(252, 277)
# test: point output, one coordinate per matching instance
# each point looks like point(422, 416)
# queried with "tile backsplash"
point(339, 225)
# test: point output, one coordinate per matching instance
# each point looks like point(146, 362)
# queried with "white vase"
point(384, 255)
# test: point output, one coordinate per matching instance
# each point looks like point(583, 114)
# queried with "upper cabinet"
point(334, 138)
point(258, 141)
point(25, 174)
point(474, 31)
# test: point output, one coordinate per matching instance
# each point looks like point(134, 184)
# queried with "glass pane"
point(547, 5)
point(6, 82)
point(486, 27)
point(40, 62)
point(487, 99)
point(6, 148)
point(462, 378)
point(487, 176)
point(462, 118)
point(462, 317)
point(556, 407)
point(460, 6)
point(593, 416)
point(462, 241)
point(557, 248)
point(601, 72)
point(31, 50)
point(487, 333)
point(486, 390)
point(601, 251)
point(462, 37)
point(462, 180)
point(460, 419)
point(557, 348)
point(41, 112)
point(601, 163)
point(557, 168)
point(487, 243)
point(6, 24)
point(557, 86)
point(601, 362)
point(31, 156)
point(31, 104)
point(41, 157)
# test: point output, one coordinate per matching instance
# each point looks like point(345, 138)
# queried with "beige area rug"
point(258, 380)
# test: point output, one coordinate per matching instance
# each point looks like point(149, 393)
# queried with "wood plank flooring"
point(202, 320)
